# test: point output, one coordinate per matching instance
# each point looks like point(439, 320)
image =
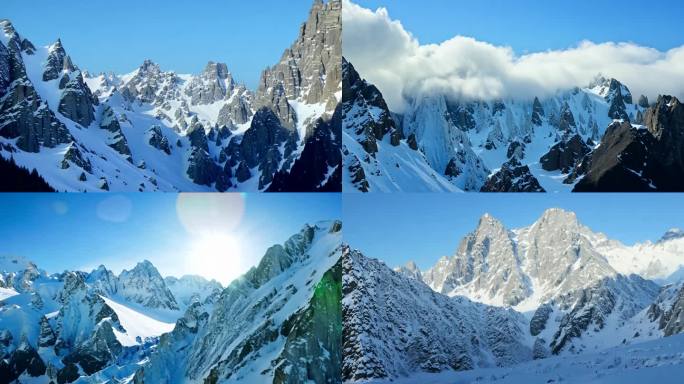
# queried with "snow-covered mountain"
point(395, 325)
point(279, 322)
point(75, 324)
point(155, 130)
point(565, 290)
point(596, 138)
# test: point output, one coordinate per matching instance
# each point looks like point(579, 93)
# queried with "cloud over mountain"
point(388, 55)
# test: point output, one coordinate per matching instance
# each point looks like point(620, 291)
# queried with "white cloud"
point(390, 57)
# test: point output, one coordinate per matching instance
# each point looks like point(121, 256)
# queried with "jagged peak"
point(8, 27)
point(411, 265)
point(558, 216)
point(672, 234)
point(489, 221)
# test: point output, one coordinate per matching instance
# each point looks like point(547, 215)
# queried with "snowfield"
point(139, 325)
point(659, 361)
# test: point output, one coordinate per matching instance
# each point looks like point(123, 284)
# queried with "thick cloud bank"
point(390, 57)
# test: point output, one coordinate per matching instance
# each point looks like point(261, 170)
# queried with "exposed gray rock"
point(512, 177)
point(158, 140)
point(537, 112)
point(201, 168)
point(76, 101)
point(565, 155)
point(74, 156)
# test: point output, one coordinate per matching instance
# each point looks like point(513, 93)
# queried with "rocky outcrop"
point(261, 145)
point(212, 85)
point(310, 69)
point(201, 167)
point(565, 154)
point(158, 140)
point(512, 177)
point(537, 112)
point(632, 159)
point(73, 155)
point(144, 285)
point(366, 115)
point(318, 168)
point(23, 114)
point(76, 101)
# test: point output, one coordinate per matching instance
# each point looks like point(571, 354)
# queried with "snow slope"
point(657, 361)
point(138, 325)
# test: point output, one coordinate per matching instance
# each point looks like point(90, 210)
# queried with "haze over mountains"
point(152, 130)
point(280, 322)
point(554, 288)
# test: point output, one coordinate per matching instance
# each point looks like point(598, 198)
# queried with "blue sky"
point(82, 231)
point(538, 25)
point(397, 228)
point(179, 35)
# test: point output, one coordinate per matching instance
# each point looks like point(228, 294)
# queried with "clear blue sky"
point(179, 35)
point(397, 228)
point(539, 25)
point(81, 231)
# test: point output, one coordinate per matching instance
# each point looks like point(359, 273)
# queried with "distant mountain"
point(596, 138)
point(152, 130)
point(280, 322)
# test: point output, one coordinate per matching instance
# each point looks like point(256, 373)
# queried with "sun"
point(216, 256)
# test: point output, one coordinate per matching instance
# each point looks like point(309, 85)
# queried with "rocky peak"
point(615, 93)
point(489, 225)
point(411, 270)
point(537, 112)
point(144, 285)
point(57, 61)
point(366, 114)
point(672, 234)
point(557, 218)
point(310, 69)
point(567, 120)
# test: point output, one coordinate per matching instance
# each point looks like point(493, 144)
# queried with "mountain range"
point(280, 322)
point(507, 297)
point(155, 130)
point(595, 138)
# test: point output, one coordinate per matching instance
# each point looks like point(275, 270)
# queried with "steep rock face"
point(446, 147)
point(366, 115)
point(635, 159)
point(672, 320)
point(265, 144)
point(76, 101)
point(310, 69)
point(144, 285)
point(212, 85)
point(318, 166)
point(253, 330)
point(617, 96)
point(565, 155)
point(486, 261)
point(24, 360)
point(590, 308)
point(395, 325)
point(23, 114)
point(512, 177)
